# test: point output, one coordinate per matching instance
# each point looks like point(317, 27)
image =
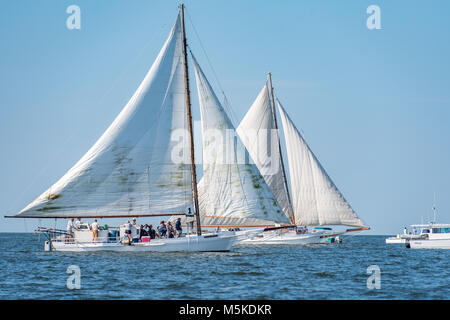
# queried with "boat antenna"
point(191, 134)
point(274, 113)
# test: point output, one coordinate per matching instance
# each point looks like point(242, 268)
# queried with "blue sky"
point(374, 105)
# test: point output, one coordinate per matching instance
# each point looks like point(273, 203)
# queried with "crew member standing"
point(94, 228)
point(178, 227)
point(69, 230)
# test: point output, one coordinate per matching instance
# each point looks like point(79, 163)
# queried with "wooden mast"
point(274, 112)
point(191, 134)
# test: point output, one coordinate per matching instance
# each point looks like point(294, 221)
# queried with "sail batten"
point(231, 191)
point(316, 199)
point(130, 170)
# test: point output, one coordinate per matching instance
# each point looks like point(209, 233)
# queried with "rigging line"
point(227, 104)
point(273, 112)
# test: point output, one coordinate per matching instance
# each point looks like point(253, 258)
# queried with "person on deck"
point(151, 232)
point(144, 231)
point(128, 232)
point(69, 230)
point(78, 224)
point(170, 230)
point(178, 227)
point(94, 228)
point(137, 238)
point(162, 229)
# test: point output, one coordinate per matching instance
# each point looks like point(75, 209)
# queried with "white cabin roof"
point(431, 225)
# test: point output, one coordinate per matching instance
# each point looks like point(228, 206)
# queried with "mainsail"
point(232, 191)
point(316, 199)
point(140, 165)
point(258, 133)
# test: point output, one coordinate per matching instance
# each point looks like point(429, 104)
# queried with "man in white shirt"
point(77, 224)
point(136, 227)
point(128, 226)
point(94, 228)
point(69, 230)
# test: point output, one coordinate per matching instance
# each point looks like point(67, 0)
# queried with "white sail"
point(130, 171)
point(316, 199)
point(258, 133)
point(232, 192)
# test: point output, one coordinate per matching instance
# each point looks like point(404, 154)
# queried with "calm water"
point(249, 272)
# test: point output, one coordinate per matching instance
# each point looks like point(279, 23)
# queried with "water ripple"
point(337, 271)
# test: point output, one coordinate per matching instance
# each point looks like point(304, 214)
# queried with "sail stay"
point(316, 199)
point(258, 133)
point(232, 191)
point(141, 164)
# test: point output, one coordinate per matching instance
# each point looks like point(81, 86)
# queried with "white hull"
point(209, 242)
point(287, 237)
point(395, 240)
point(429, 244)
point(403, 238)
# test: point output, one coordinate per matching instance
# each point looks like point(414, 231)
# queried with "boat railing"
point(413, 236)
point(58, 235)
point(68, 240)
point(62, 236)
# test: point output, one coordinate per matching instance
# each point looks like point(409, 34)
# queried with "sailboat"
point(144, 166)
point(311, 199)
point(232, 191)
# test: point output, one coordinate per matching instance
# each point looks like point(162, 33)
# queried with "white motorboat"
point(431, 236)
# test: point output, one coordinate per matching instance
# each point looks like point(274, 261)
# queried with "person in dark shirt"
point(162, 229)
point(170, 230)
point(151, 232)
point(178, 228)
point(143, 231)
